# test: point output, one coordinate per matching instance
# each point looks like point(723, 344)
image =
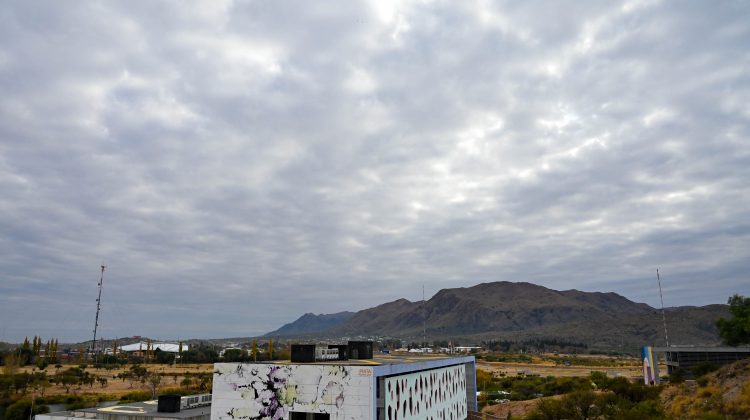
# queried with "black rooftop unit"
point(359, 349)
point(168, 403)
point(303, 353)
point(342, 348)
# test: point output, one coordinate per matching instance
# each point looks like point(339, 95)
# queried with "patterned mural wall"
point(268, 391)
point(436, 394)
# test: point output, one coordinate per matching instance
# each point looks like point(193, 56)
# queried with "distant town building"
point(466, 349)
point(141, 347)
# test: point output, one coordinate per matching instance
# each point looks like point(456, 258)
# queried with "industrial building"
point(325, 385)
point(687, 357)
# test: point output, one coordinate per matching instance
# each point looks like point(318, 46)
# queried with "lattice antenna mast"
point(424, 320)
point(663, 315)
point(98, 307)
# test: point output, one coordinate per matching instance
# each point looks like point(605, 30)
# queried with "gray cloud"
point(237, 164)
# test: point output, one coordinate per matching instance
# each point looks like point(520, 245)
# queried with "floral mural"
point(271, 392)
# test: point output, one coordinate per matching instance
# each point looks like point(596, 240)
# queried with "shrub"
point(135, 396)
point(703, 368)
point(21, 410)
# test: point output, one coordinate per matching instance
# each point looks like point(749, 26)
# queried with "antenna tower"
point(663, 315)
point(424, 320)
point(98, 306)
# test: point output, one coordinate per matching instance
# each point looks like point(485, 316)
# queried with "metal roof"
point(686, 349)
point(168, 347)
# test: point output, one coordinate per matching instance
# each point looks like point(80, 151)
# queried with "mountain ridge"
point(311, 323)
point(522, 310)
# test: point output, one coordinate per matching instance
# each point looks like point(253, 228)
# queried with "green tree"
point(153, 382)
point(21, 410)
point(736, 331)
point(164, 357)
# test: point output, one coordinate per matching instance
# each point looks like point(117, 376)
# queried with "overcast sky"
point(237, 164)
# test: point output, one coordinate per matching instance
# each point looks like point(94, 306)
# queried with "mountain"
point(311, 323)
point(525, 311)
point(491, 307)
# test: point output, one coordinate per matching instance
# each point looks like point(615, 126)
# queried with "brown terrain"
point(172, 377)
point(516, 408)
point(519, 312)
point(550, 369)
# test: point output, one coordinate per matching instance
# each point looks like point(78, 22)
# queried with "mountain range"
point(520, 312)
point(311, 323)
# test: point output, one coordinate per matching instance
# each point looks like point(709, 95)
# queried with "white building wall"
point(438, 394)
point(272, 391)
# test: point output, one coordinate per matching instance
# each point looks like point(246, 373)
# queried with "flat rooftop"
point(136, 409)
point(698, 349)
point(378, 360)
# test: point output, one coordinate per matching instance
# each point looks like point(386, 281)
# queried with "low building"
point(193, 407)
point(679, 357)
point(467, 349)
point(142, 347)
point(384, 387)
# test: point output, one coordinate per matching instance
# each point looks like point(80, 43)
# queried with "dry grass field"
point(544, 369)
point(172, 376)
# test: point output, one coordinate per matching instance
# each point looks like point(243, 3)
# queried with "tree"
point(236, 355)
point(736, 331)
point(164, 357)
point(11, 364)
point(153, 381)
point(36, 346)
point(21, 410)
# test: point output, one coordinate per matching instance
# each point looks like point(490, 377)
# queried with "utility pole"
point(98, 307)
point(663, 315)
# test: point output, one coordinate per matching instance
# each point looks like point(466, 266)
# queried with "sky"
point(236, 164)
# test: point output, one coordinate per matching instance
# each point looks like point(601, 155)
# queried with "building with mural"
point(388, 387)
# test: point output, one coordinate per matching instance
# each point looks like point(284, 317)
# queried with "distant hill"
point(525, 311)
point(311, 323)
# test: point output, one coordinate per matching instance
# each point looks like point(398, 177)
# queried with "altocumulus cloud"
point(236, 164)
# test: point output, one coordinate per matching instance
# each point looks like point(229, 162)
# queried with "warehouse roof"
point(141, 346)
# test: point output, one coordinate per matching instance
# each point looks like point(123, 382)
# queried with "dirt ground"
point(512, 369)
point(516, 408)
point(172, 378)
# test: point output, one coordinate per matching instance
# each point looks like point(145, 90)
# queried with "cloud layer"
point(236, 164)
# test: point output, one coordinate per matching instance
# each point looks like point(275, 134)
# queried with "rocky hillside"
point(525, 311)
point(721, 394)
point(489, 307)
point(311, 323)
